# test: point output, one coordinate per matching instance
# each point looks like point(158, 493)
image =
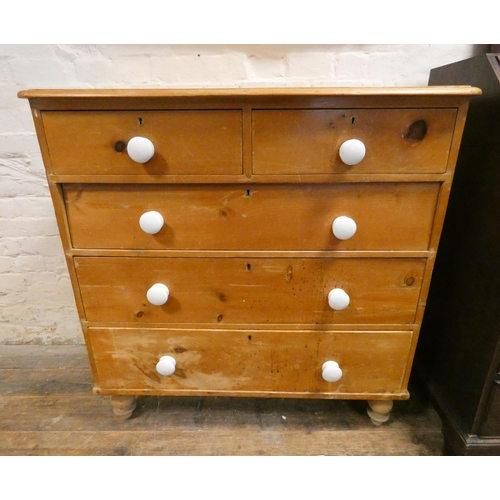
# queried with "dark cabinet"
point(459, 349)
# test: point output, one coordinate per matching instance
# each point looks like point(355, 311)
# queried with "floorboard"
point(47, 408)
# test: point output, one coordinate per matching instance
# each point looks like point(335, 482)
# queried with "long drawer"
point(185, 142)
point(390, 216)
point(249, 290)
point(226, 361)
point(308, 141)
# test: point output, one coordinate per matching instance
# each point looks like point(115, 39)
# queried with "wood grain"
point(186, 142)
point(308, 141)
point(444, 90)
point(251, 362)
point(250, 291)
point(389, 216)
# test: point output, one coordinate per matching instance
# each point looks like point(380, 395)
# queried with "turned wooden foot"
point(379, 411)
point(123, 406)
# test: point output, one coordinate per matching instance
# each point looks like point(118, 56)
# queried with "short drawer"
point(236, 363)
point(308, 141)
point(185, 142)
point(220, 291)
point(391, 216)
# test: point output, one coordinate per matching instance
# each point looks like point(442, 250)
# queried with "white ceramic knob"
point(158, 294)
point(166, 365)
point(352, 151)
point(344, 227)
point(140, 149)
point(338, 299)
point(151, 222)
point(331, 371)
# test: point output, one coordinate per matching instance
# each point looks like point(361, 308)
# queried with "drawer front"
point(261, 361)
point(185, 142)
point(223, 291)
point(265, 217)
point(308, 141)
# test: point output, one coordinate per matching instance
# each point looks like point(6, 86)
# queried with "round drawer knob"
point(352, 151)
point(158, 294)
point(151, 222)
point(344, 227)
point(331, 371)
point(338, 299)
point(166, 365)
point(140, 149)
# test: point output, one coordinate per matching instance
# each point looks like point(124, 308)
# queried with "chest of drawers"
point(265, 243)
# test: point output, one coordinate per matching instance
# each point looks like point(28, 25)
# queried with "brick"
point(42, 245)
point(94, 69)
point(11, 285)
point(39, 263)
point(67, 332)
point(310, 65)
point(128, 51)
point(266, 68)
point(6, 264)
point(38, 51)
point(225, 70)
point(21, 144)
point(351, 68)
point(132, 71)
point(8, 92)
point(19, 179)
point(45, 290)
point(16, 120)
point(31, 71)
point(10, 246)
point(22, 227)
point(30, 206)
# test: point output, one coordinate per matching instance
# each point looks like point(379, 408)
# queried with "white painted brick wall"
point(36, 301)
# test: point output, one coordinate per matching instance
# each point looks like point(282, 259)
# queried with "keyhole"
point(140, 121)
point(249, 192)
point(353, 119)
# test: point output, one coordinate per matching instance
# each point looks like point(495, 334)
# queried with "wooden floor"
point(47, 408)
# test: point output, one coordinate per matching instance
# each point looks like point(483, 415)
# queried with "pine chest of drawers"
point(269, 243)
